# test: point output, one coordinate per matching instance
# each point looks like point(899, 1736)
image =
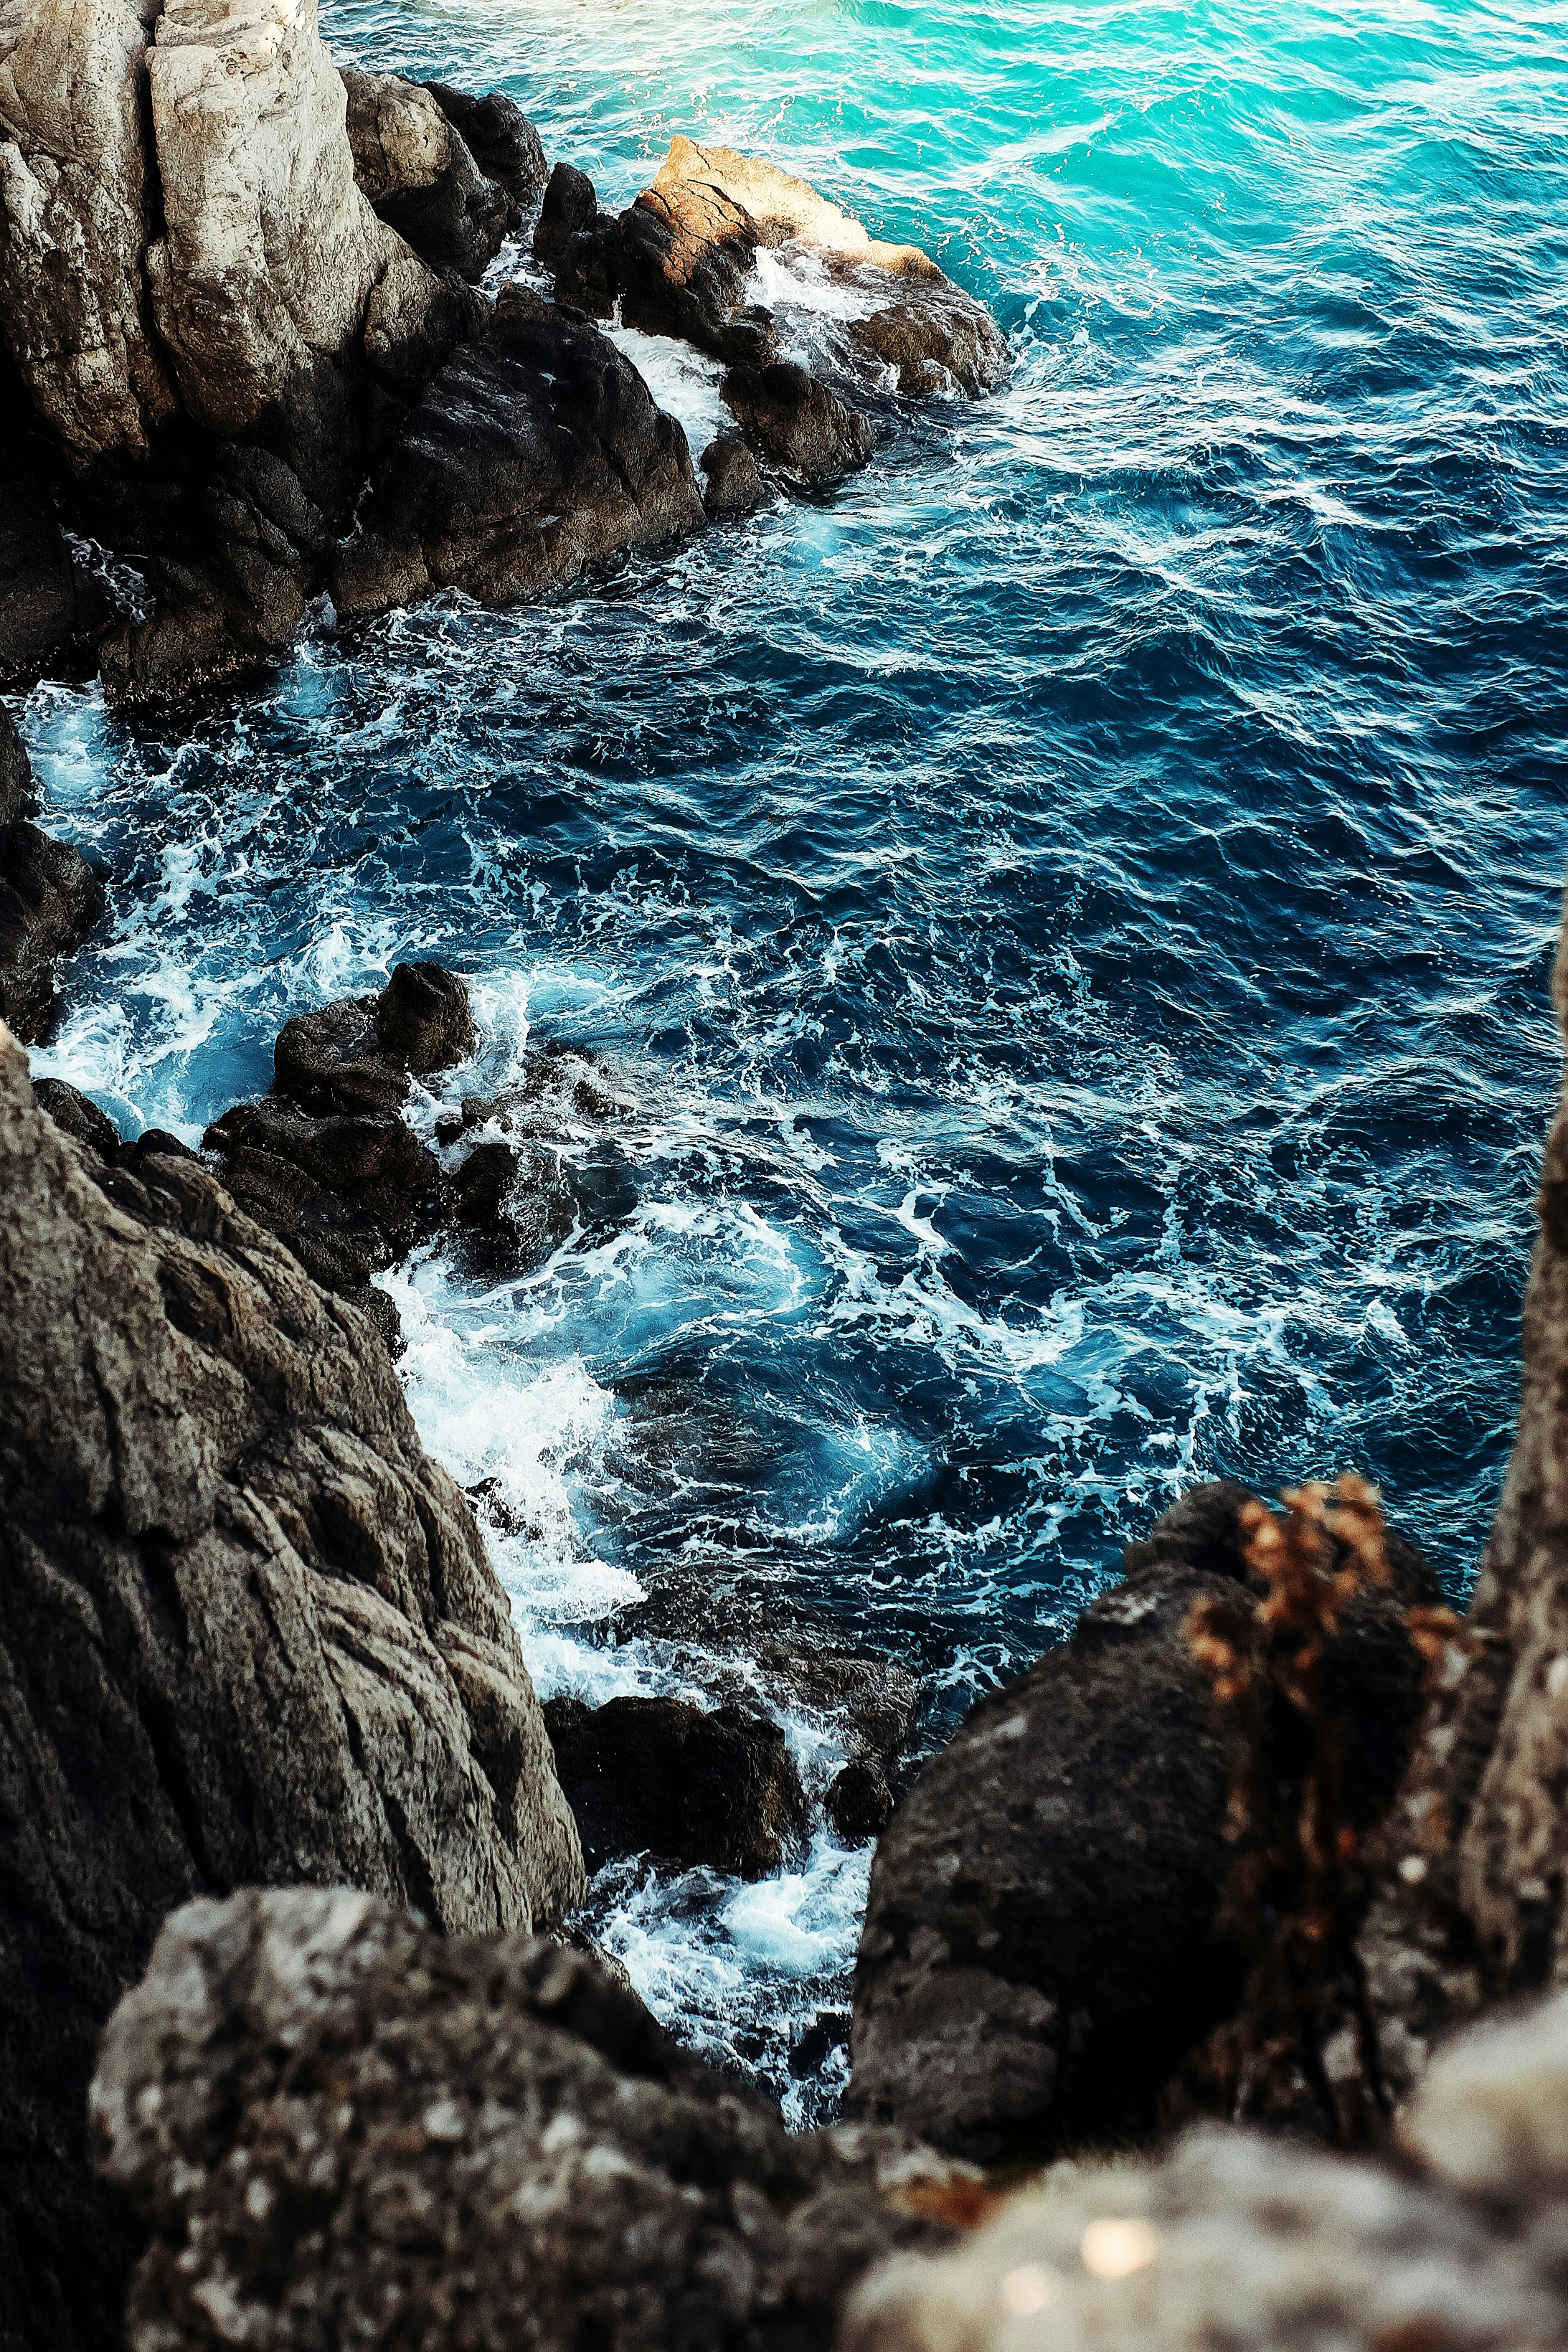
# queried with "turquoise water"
point(1073, 910)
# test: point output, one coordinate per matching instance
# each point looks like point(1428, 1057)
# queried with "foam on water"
point(1069, 915)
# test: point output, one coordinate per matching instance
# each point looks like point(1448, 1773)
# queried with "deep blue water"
point(1073, 910)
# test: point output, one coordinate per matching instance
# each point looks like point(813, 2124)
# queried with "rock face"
point(325, 2115)
point(1471, 1909)
point(52, 613)
point(797, 423)
point(536, 451)
point(247, 1633)
point(50, 898)
point(414, 165)
point(1040, 1949)
point(1256, 2243)
point(660, 1775)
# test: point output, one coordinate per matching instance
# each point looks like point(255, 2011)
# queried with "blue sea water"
point(1072, 911)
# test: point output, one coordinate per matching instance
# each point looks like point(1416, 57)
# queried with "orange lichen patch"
point(962, 2204)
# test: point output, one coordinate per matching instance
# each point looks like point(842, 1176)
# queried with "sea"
point(1069, 913)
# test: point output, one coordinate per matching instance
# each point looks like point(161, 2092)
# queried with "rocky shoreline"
point(1192, 2001)
point(246, 342)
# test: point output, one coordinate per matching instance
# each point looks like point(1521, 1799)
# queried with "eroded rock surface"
point(325, 2115)
point(418, 170)
point(247, 1633)
point(1040, 1949)
point(50, 899)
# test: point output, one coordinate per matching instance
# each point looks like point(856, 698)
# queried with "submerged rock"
point(325, 2114)
point(1040, 1951)
point(247, 1633)
point(535, 451)
point(660, 1775)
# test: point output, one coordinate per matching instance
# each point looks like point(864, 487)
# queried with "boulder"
point(797, 423)
point(731, 483)
point(681, 260)
point(660, 1775)
point(1257, 2242)
point(357, 1054)
point(500, 139)
point(248, 1633)
point(1041, 1950)
point(420, 176)
point(77, 1116)
point(859, 1801)
point(325, 2115)
point(535, 451)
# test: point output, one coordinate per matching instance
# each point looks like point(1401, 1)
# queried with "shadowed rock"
point(536, 451)
point(1040, 1951)
point(420, 173)
point(797, 423)
point(657, 1775)
point(357, 1054)
point(247, 1633)
point(50, 898)
point(731, 482)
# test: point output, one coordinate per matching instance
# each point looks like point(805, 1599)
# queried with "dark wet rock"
point(534, 452)
point(16, 772)
point(247, 1633)
point(828, 2031)
point(797, 423)
point(50, 898)
point(350, 1194)
point(675, 262)
point(423, 1018)
point(52, 612)
point(77, 1116)
point(501, 139)
point(419, 173)
point(660, 1775)
point(731, 482)
point(323, 2114)
point(570, 207)
point(1040, 1951)
point(356, 1055)
point(859, 1802)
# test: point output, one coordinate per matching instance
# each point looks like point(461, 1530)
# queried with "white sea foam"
point(683, 381)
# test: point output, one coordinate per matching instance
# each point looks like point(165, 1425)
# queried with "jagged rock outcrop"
point(362, 1052)
point(534, 452)
point(418, 170)
point(661, 1776)
point(1471, 1909)
point(247, 1633)
point(327, 2116)
point(680, 261)
point(50, 898)
point(236, 282)
point(1258, 2243)
point(1041, 1950)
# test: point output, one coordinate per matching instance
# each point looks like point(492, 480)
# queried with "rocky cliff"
point(247, 1633)
point(239, 287)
